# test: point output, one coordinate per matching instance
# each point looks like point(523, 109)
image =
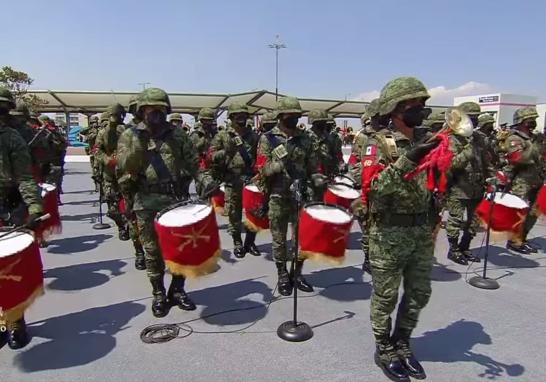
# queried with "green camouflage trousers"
point(399, 254)
point(281, 212)
point(529, 194)
point(134, 235)
point(233, 207)
point(54, 175)
point(461, 217)
point(155, 266)
point(111, 197)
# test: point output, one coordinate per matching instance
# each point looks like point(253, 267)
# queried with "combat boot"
point(140, 261)
point(160, 307)
point(283, 284)
point(519, 248)
point(250, 246)
point(123, 233)
point(299, 280)
point(464, 246)
point(238, 250)
point(400, 341)
point(3, 335)
point(18, 336)
point(454, 254)
point(531, 248)
point(177, 295)
point(387, 359)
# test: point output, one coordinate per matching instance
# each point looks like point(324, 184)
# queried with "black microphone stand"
point(294, 330)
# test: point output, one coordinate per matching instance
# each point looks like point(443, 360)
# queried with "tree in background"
point(19, 82)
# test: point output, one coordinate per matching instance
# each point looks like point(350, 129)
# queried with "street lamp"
point(277, 46)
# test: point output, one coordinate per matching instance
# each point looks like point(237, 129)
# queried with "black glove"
point(208, 189)
point(418, 152)
point(33, 222)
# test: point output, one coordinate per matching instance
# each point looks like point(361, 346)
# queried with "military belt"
point(401, 220)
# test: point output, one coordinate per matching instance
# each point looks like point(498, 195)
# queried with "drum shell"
point(332, 198)
point(504, 219)
point(53, 225)
point(191, 250)
point(253, 200)
point(541, 200)
point(321, 240)
point(218, 201)
point(122, 208)
point(21, 281)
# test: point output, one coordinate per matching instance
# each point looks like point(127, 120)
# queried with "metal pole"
point(276, 73)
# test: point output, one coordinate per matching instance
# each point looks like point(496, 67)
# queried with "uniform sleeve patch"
point(370, 150)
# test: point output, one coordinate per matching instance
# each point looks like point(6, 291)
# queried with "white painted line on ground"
point(76, 158)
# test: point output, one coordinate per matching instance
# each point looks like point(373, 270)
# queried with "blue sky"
point(335, 48)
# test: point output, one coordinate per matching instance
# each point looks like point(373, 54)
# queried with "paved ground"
point(87, 326)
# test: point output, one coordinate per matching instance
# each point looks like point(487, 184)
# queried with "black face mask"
point(241, 122)
point(531, 125)
point(413, 116)
point(291, 122)
point(156, 118)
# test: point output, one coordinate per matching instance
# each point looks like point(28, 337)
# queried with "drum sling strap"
point(274, 143)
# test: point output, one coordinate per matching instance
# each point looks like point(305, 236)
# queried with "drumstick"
point(15, 229)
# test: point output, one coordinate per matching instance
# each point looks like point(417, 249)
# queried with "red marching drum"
point(509, 212)
point(541, 200)
point(52, 225)
point(218, 200)
point(323, 232)
point(253, 199)
point(341, 194)
point(342, 179)
point(189, 239)
point(21, 277)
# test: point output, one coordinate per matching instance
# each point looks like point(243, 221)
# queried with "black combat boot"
point(387, 359)
point(531, 248)
point(140, 261)
point(18, 336)
point(3, 336)
point(250, 246)
point(400, 341)
point(464, 246)
point(238, 250)
point(160, 307)
point(366, 266)
point(177, 295)
point(519, 248)
point(284, 284)
point(454, 254)
point(123, 233)
point(299, 280)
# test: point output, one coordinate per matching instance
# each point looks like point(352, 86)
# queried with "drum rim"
point(346, 185)
point(309, 204)
point(22, 230)
point(176, 205)
point(500, 194)
point(253, 185)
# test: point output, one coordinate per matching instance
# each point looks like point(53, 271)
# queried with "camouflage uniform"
point(233, 156)
point(486, 129)
point(435, 121)
point(282, 160)
point(89, 134)
point(337, 144)
point(176, 120)
point(268, 121)
point(202, 136)
point(152, 157)
point(466, 185)
point(525, 171)
point(58, 144)
point(107, 142)
point(19, 195)
point(401, 242)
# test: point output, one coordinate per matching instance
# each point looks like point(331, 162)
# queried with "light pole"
point(277, 46)
point(143, 84)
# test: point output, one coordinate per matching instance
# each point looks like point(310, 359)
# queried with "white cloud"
point(440, 95)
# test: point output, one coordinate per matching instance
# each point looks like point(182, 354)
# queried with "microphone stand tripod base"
point(295, 331)
point(101, 226)
point(483, 283)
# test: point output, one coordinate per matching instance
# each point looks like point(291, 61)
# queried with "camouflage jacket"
point(469, 167)
point(106, 144)
point(360, 142)
point(227, 162)
point(90, 136)
point(40, 140)
point(151, 167)
point(299, 157)
point(202, 141)
point(526, 164)
point(327, 163)
point(383, 168)
point(15, 171)
point(337, 146)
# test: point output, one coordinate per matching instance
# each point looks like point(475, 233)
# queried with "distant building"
point(76, 119)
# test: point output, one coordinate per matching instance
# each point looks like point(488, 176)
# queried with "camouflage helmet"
point(398, 90)
point(132, 106)
point(438, 117)
point(21, 108)
point(44, 118)
point(529, 112)
point(175, 117)
point(288, 105)
point(94, 118)
point(236, 107)
point(317, 115)
point(115, 109)
point(7, 96)
point(269, 118)
point(105, 116)
point(371, 110)
point(206, 113)
point(484, 119)
point(153, 97)
point(331, 120)
point(470, 108)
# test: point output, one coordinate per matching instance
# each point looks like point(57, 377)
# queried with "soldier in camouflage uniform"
point(401, 214)
point(107, 142)
point(525, 171)
point(152, 157)
point(435, 121)
point(19, 196)
point(268, 121)
point(58, 144)
point(286, 154)
point(337, 144)
point(486, 129)
point(202, 136)
point(89, 134)
point(176, 120)
point(466, 186)
point(233, 154)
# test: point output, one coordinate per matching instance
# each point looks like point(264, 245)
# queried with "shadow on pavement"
point(83, 276)
point(441, 272)
point(78, 192)
point(91, 202)
point(71, 245)
point(454, 344)
point(341, 284)
point(233, 296)
point(227, 257)
point(501, 257)
point(76, 339)
point(354, 240)
point(77, 218)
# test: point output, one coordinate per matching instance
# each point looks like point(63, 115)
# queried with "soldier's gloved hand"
point(33, 222)
point(418, 152)
point(218, 156)
point(208, 189)
point(319, 180)
point(277, 167)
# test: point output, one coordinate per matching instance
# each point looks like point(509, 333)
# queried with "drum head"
point(510, 201)
point(223, 187)
point(344, 180)
point(184, 215)
point(344, 191)
point(14, 243)
point(328, 213)
point(253, 188)
point(46, 187)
